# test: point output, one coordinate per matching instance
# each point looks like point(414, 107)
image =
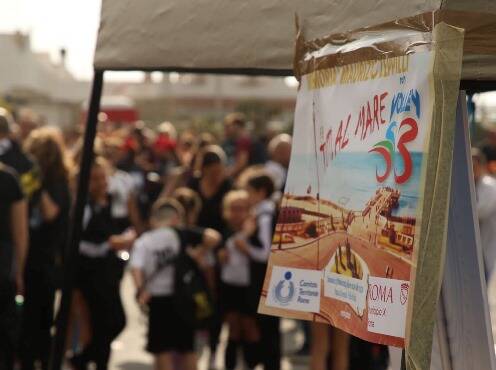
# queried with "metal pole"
point(72, 246)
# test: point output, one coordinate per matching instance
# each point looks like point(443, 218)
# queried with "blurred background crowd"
point(224, 132)
point(137, 164)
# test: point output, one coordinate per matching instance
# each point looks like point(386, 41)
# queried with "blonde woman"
point(48, 218)
point(97, 280)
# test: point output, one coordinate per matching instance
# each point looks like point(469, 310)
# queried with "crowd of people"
point(156, 199)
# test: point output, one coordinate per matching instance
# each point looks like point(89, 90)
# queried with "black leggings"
point(8, 323)
point(214, 330)
point(37, 318)
point(270, 342)
point(270, 337)
point(100, 286)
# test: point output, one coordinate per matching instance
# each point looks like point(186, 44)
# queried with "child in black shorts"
point(152, 266)
point(235, 282)
point(260, 187)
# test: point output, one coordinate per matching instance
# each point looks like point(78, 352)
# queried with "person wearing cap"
point(237, 144)
point(212, 184)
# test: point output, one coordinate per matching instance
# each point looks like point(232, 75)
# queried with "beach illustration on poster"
point(351, 204)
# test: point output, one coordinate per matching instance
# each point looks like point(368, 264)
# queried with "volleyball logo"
point(284, 290)
point(393, 150)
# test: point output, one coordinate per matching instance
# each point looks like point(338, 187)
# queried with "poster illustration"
point(348, 223)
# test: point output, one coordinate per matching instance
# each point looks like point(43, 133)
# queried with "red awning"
point(120, 114)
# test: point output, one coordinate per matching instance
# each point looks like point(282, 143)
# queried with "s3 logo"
point(392, 151)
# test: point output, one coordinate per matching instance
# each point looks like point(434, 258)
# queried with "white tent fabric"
point(240, 35)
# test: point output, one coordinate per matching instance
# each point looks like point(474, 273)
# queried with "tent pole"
point(72, 246)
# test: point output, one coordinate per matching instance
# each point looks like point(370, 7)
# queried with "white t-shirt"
point(158, 248)
point(486, 209)
point(265, 212)
point(278, 173)
point(5, 145)
point(121, 184)
point(236, 271)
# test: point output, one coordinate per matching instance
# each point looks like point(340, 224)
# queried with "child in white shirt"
point(260, 188)
point(152, 263)
point(235, 278)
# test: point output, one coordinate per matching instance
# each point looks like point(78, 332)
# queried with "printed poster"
point(349, 219)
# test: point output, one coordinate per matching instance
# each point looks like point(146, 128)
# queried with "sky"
point(55, 24)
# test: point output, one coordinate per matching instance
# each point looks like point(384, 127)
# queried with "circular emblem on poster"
point(285, 290)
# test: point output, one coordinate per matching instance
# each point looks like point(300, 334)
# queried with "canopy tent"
point(245, 37)
point(236, 36)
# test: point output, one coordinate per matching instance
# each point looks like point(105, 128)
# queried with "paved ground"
point(128, 353)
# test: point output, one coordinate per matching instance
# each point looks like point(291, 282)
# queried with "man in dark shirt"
point(237, 145)
point(13, 237)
